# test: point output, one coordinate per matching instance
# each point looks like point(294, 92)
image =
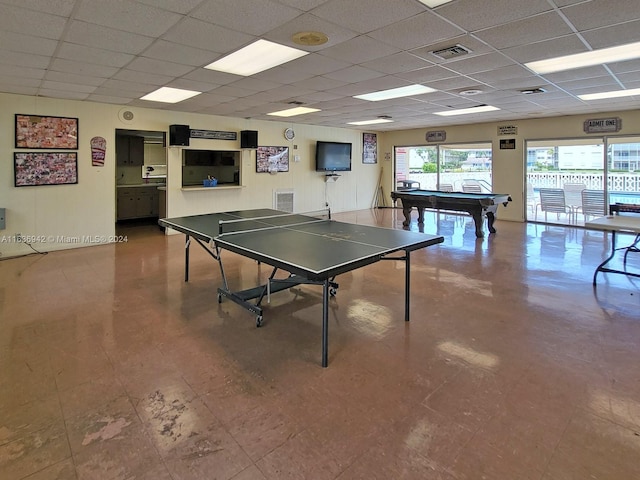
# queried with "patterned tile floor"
point(512, 367)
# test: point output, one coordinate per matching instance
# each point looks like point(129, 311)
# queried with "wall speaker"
point(248, 139)
point(179, 135)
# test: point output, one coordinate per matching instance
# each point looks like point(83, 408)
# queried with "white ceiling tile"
point(319, 83)
point(479, 63)
point(156, 79)
point(528, 30)
point(69, 94)
point(21, 60)
point(81, 53)
point(65, 77)
point(72, 87)
point(403, 34)
point(241, 15)
point(397, 63)
point(354, 74)
point(367, 15)
point(178, 6)
point(199, 34)
point(20, 43)
point(318, 64)
point(105, 38)
point(601, 13)
point(23, 20)
point(128, 16)
point(628, 32)
point(472, 16)
point(359, 50)
point(80, 68)
point(567, 45)
point(151, 65)
point(177, 53)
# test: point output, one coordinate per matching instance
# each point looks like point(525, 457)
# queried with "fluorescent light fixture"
point(371, 122)
point(292, 112)
point(464, 111)
point(434, 3)
point(407, 91)
point(169, 95)
point(611, 94)
point(256, 57)
point(586, 59)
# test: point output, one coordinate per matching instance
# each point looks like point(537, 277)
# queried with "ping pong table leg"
point(325, 323)
point(407, 284)
point(187, 242)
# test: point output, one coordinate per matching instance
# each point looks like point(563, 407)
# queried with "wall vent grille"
point(283, 200)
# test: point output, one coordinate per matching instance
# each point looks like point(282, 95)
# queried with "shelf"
point(218, 187)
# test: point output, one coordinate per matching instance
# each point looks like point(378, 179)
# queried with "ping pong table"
point(311, 249)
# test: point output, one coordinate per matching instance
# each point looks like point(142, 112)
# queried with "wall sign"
point(507, 130)
point(508, 144)
point(600, 125)
point(436, 136)
point(213, 135)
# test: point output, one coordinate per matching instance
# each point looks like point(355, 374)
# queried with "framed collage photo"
point(45, 168)
point(40, 131)
point(369, 148)
point(272, 159)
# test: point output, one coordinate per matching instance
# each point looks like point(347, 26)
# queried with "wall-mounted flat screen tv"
point(333, 157)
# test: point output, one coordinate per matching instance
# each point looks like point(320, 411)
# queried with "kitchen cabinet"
point(129, 150)
point(137, 202)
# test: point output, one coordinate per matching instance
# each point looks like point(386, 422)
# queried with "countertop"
point(136, 185)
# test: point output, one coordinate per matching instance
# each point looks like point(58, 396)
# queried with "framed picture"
point(45, 168)
point(39, 131)
point(369, 148)
point(272, 159)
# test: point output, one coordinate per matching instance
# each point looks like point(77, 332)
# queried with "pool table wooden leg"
point(407, 215)
point(477, 219)
point(490, 219)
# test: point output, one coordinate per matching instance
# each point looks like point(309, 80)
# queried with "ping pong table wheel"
point(219, 298)
point(258, 321)
point(333, 291)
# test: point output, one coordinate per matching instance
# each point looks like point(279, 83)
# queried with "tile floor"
point(512, 367)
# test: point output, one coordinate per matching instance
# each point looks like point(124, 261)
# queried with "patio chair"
point(552, 200)
point(471, 188)
point(573, 197)
point(445, 187)
point(532, 201)
point(593, 203)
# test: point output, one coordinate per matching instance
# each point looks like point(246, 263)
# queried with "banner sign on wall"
point(507, 130)
point(436, 136)
point(600, 125)
point(213, 135)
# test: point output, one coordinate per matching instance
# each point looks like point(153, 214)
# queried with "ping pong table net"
point(270, 222)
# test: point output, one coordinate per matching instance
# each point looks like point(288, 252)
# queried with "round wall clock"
point(289, 134)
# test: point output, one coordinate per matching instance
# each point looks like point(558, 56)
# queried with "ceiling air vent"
point(532, 91)
point(451, 52)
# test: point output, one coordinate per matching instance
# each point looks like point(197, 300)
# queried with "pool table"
point(477, 205)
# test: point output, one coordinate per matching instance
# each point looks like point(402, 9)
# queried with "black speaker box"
point(179, 135)
point(248, 139)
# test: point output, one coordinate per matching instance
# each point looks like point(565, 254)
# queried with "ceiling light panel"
point(256, 57)
point(407, 91)
point(466, 111)
point(579, 60)
point(371, 122)
point(292, 112)
point(169, 95)
point(434, 3)
point(611, 94)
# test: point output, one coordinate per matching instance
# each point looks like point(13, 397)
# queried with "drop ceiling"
point(116, 51)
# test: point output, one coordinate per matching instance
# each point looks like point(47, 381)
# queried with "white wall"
point(508, 165)
point(88, 208)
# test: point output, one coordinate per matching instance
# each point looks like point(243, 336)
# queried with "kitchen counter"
point(136, 185)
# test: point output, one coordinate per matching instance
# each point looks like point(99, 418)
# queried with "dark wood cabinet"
point(129, 150)
point(137, 202)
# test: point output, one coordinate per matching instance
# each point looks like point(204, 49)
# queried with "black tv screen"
point(333, 157)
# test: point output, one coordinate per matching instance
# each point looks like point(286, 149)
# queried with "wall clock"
point(289, 134)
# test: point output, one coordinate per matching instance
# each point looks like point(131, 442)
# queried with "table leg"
point(420, 215)
point(477, 219)
point(325, 323)
point(407, 215)
point(490, 219)
point(187, 243)
point(613, 252)
point(407, 285)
